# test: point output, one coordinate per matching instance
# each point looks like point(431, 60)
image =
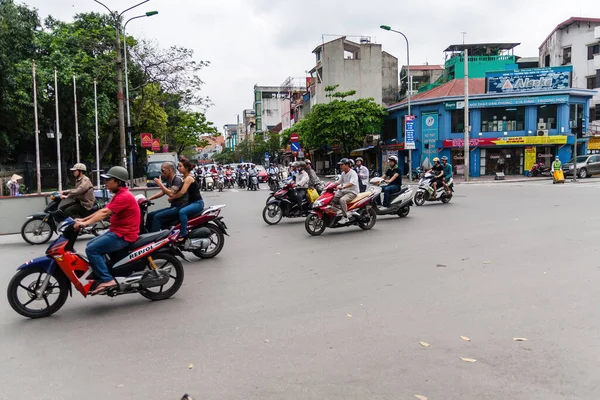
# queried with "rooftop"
point(425, 67)
point(571, 21)
point(455, 87)
point(473, 46)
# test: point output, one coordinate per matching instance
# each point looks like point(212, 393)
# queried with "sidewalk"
point(516, 179)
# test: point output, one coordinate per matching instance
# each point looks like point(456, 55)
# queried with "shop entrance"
point(458, 161)
point(545, 154)
point(508, 161)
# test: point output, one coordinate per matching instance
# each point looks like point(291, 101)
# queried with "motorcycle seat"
point(148, 238)
point(359, 197)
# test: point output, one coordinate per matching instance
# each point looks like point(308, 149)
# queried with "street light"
point(148, 14)
point(117, 20)
point(389, 28)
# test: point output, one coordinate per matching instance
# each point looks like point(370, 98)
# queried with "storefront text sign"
point(529, 80)
point(509, 102)
point(409, 129)
point(529, 157)
point(594, 143)
point(155, 144)
point(146, 139)
point(508, 141)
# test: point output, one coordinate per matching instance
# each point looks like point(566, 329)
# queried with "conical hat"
point(16, 177)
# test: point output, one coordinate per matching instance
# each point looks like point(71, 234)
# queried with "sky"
point(263, 42)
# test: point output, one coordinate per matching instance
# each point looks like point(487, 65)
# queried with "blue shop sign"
point(509, 102)
point(528, 80)
point(409, 129)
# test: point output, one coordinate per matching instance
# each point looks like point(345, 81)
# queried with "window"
point(576, 118)
point(566, 55)
point(458, 121)
point(503, 119)
point(592, 82)
point(593, 50)
point(547, 60)
point(390, 128)
point(546, 114)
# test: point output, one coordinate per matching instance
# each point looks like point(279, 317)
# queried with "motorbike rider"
point(195, 201)
point(393, 180)
point(314, 181)
point(363, 174)
point(302, 182)
point(438, 173)
point(447, 167)
point(253, 172)
point(347, 189)
point(83, 194)
point(124, 214)
point(156, 218)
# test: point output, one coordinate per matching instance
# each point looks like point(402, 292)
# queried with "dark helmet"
point(118, 173)
point(444, 158)
point(344, 161)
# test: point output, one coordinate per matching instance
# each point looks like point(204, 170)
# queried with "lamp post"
point(409, 81)
point(117, 21)
point(58, 134)
point(148, 14)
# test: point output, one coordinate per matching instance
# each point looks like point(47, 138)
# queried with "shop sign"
point(594, 143)
point(155, 145)
point(429, 129)
point(146, 139)
point(508, 141)
point(528, 80)
point(409, 130)
point(529, 157)
point(507, 102)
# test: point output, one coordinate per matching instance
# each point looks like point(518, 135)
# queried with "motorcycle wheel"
point(36, 231)
point(314, 225)
point(217, 242)
point(100, 228)
point(273, 186)
point(272, 214)
point(164, 261)
point(372, 219)
point(403, 212)
point(58, 288)
point(445, 199)
point(420, 198)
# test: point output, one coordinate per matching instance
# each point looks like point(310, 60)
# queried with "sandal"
point(104, 286)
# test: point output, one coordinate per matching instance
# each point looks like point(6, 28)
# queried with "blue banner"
point(409, 132)
point(429, 129)
point(509, 101)
point(529, 80)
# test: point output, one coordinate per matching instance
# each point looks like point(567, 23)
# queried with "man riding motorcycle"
point(157, 218)
point(363, 174)
point(393, 180)
point(314, 181)
point(347, 189)
point(124, 214)
point(438, 173)
point(83, 194)
point(447, 174)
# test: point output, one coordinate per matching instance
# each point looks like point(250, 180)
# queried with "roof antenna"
point(464, 34)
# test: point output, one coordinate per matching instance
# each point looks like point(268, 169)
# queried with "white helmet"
point(393, 158)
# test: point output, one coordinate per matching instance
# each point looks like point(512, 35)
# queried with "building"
point(231, 135)
point(267, 107)
point(516, 118)
point(215, 146)
point(363, 67)
point(421, 76)
point(249, 122)
point(576, 42)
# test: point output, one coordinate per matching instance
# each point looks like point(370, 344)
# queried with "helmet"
point(359, 159)
point(351, 161)
point(301, 164)
point(118, 173)
point(436, 159)
point(556, 158)
point(79, 167)
point(444, 158)
point(393, 158)
point(344, 161)
point(308, 162)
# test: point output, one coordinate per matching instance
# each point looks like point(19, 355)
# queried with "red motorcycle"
point(540, 169)
point(207, 230)
point(148, 267)
point(324, 215)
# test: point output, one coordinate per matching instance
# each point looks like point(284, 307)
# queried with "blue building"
point(516, 118)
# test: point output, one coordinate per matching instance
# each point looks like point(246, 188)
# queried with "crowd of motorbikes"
point(220, 180)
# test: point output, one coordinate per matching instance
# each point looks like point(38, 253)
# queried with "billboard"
point(146, 139)
point(529, 80)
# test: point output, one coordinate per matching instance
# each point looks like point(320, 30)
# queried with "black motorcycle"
point(39, 227)
point(286, 203)
point(273, 182)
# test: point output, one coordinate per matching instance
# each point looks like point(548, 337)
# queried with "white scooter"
point(425, 190)
point(209, 181)
point(400, 203)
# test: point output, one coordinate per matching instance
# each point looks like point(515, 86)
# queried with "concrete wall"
point(389, 79)
point(14, 210)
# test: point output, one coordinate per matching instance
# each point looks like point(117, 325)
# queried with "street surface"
point(282, 315)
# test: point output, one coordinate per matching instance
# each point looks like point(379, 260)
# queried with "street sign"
point(294, 137)
point(295, 146)
point(409, 132)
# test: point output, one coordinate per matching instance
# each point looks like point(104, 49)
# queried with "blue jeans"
point(97, 248)
point(157, 218)
point(387, 192)
point(187, 211)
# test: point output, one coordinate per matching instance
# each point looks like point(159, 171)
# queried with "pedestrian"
point(14, 186)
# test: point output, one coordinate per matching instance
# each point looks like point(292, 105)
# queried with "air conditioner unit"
point(542, 132)
point(541, 126)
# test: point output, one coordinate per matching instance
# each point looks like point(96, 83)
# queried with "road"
point(282, 315)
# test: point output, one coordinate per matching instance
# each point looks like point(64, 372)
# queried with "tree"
point(341, 122)
point(188, 128)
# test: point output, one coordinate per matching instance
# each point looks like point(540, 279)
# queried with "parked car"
point(263, 176)
point(587, 166)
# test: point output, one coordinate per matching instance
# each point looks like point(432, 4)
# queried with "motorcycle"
point(273, 182)
point(400, 202)
point(284, 203)
point(40, 227)
point(228, 181)
point(221, 183)
point(425, 191)
point(540, 169)
point(253, 183)
point(206, 230)
point(324, 215)
point(144, 267)
point(243, 180)
point(416, 174)
point(209, 182)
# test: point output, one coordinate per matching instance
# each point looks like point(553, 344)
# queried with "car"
point(263, 176)
point(587, 166)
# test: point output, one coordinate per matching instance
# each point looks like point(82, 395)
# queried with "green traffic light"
point(385, 27)
point(151, 13)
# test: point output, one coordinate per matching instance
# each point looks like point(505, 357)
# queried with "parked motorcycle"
point(221, 182)
point(209, 182)
point(284, 203)
point(400, 202)
point(148, 267)
point(206, 230)
point(253, 183)
point(40, 227)
point(416, 174)
point(425, 190)
point(540, 169)
point(324, 215)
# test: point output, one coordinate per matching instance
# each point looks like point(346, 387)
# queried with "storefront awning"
point(359, 151)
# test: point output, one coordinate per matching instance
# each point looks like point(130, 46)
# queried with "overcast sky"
point(264, 41)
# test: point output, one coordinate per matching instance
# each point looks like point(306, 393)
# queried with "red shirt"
point(125, 221)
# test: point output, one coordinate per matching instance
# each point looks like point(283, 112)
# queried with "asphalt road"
point(282, 315)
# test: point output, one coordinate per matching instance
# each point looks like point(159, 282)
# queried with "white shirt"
point(302, 179)
point(363, 174)
point(349, 177)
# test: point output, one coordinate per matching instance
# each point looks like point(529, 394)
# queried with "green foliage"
point(226, 156)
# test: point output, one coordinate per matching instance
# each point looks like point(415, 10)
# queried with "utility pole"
point(97, 145)
point(57, 131)
point(37, 134)
point(466, 149)
point(76, 117)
